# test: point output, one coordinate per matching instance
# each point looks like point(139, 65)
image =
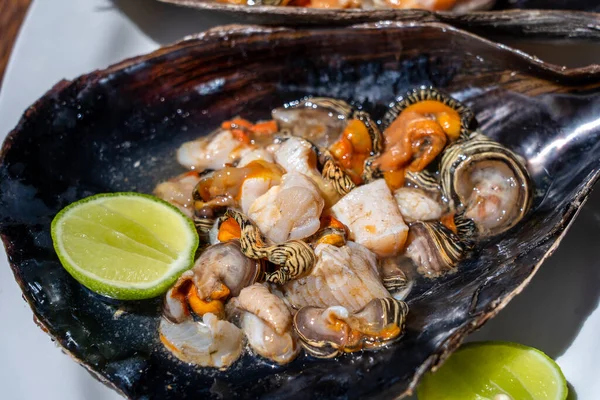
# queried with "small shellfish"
point(418, 128)
point(266, 322)
point(231, 186)
point(487, 182)
point(294, 258)
point(332, 124)
point(431, 101)
point(331, 232)
point(345, 276)
point(333, 173)
point(178, 191)
point(220, 272)
point(320, 120)
point(326, 333)
point(209, 343)
point(434, 248)
point(395, 280)
point(360, 140)
point(214, 151)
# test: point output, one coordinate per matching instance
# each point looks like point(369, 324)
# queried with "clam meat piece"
point(487, 183)
point(320, 120)
point(220, 272)
point(373, 218)
point(232, 187)
point(435, 249)
point(416, 205)
point(290, 210)
point(210, 343)
point(253, 188)
point(419, 126)
point(266, 322)
point(214, 151)
point(298, 155)
point(345, 276)
point(258, 153)
point(264, 340)
point(326, 333)
point(178, 191)
point(258, 300)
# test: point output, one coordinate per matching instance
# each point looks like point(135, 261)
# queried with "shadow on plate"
point(567, 285)
point(572, 393)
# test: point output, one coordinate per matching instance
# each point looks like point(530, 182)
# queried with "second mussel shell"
point(87, 136)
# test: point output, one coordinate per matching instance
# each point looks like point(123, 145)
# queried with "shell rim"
point(234, 32)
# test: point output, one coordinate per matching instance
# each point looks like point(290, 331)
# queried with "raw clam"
point(487, 182)
point(434, 248)
point(266, 322)
point(326, 333)
point(220, 272)
point(418, 127)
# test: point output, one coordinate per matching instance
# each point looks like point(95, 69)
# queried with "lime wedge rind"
point(115, 288)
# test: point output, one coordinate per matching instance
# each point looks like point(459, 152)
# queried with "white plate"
point(558, 313)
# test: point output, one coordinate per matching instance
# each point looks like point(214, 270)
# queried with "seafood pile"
point(431, 5)
point(315, 223)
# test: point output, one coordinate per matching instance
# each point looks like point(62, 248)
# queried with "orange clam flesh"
point(224, 187)
point(416, 137)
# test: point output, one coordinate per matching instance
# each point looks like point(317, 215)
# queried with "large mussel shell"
point(69, 145)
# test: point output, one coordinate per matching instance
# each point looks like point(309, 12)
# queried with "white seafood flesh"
point(281, 348)
point(416, 205)
point(373, 217)
point(253, 155)
point(212, 152)
point(210, 343)
point(267, 323)
point(258, 300)
point(178, 191)
point(494, 195)
point(298, 155)
point(255, 187)
point(343, 276)
point(290, 210)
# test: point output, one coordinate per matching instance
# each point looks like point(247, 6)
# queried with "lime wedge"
point(127, 246)
point(495, 371)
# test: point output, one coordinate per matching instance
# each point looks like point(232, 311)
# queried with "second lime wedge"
point(495, 371)
point(127, 246)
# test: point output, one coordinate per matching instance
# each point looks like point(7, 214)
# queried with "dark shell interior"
point(118, 129)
